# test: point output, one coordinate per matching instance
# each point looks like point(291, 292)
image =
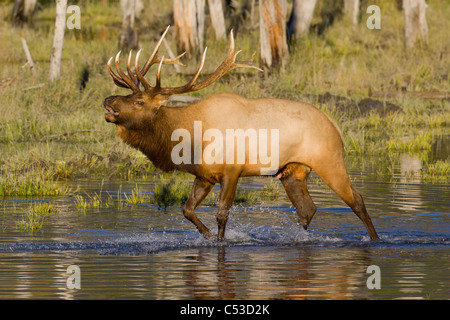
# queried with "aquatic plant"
point(34, 216)
point(91, 201)
point(30, 183)
point(171, 192)
point(438, 171)
point(137, 196)
point(271, 191)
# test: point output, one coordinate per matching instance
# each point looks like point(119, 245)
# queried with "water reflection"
point(281, 273)
point(139, 252)
point(230, 273)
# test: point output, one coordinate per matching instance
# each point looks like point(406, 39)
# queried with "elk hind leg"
point(336, 177)
point(293, 178)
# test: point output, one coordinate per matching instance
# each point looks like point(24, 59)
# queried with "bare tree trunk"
point(58, 39)
point(22, 11)
point(128, 38)
point(189, 18)
point(27, 53)
point(351, 8)
point(217, 18)
point(415, 21)
point(272, 42)
point(301, 17)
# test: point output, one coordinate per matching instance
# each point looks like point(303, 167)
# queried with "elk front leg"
point(227, 192)
point(199, 191)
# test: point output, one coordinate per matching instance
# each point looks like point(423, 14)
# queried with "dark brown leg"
point(337, 179)
point(360, 210)
point(199, 191)
point(294, 182)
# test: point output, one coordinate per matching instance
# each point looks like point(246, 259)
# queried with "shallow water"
point(141, 252)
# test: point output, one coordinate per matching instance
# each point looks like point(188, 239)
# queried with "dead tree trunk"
point(217, 18)
point(22, 11)
point(301, 17)
point(415, 21)
point(58, 39)
point(128, 38)
point(351, 9)
point(189, 18)
point(272, 42)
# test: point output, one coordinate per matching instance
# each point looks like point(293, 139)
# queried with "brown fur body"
point(308, 139)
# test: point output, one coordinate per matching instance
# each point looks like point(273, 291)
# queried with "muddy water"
point(140, 252)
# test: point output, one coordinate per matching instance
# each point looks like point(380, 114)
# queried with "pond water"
point(140, 252)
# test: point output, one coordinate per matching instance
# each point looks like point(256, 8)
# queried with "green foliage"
point(51, 131)
point(34, 216)
point(172, 191)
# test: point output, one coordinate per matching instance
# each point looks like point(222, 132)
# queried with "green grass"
point(171, 191)
point(137, 196)
point(438, 171)
point(95, 201)
point(51, 132)
point(34, 216)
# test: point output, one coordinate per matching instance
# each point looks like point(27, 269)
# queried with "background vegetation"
point(55, 131)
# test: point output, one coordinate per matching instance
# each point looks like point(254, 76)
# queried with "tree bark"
point(301, 17)
point(217, 18)
point(58, 39)
point(351, 8)
point(415, 21)
point(27, 53)
point(189, 18)
point(128, 38)
point(273, 45)
point(22, 11)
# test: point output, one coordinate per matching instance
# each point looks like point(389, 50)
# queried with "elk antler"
point(132, 82)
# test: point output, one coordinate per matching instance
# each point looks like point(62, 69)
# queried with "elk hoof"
point(209, 236)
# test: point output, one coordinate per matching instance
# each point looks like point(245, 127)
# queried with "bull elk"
point(306, 138)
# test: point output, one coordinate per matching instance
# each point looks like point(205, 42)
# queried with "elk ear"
point(159, 101)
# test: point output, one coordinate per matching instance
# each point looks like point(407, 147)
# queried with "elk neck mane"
point(154, 140)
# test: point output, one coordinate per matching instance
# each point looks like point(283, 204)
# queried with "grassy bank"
point(52, 132)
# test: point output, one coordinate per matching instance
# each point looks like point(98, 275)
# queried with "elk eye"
point(139, 103)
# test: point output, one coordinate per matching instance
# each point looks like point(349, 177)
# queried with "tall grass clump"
point(172, 191)
point(34, 216)
point(34, 183)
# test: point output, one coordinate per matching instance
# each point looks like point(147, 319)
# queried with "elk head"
point(138, 108)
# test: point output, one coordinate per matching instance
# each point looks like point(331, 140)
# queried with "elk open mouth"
point(111, 115)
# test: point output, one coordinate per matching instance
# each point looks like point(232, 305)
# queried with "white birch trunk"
point(351, 8)
point(273, 44)
point(128, 37)
point(58, 39)
point(189, 18)
point(217, 18)
point(301, 17)
point(415, 21)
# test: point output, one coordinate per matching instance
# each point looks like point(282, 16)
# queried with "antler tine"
point(158, 74)
point(228, 64)
point(154, 54)
point(241, 64)
point(117, 80)
point(124, 77)
point(195, 77)
point(140, 76)
point(130, 73)
point(231, 41)
point(175, 60)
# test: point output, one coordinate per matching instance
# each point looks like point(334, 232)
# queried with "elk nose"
point(109, 100)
